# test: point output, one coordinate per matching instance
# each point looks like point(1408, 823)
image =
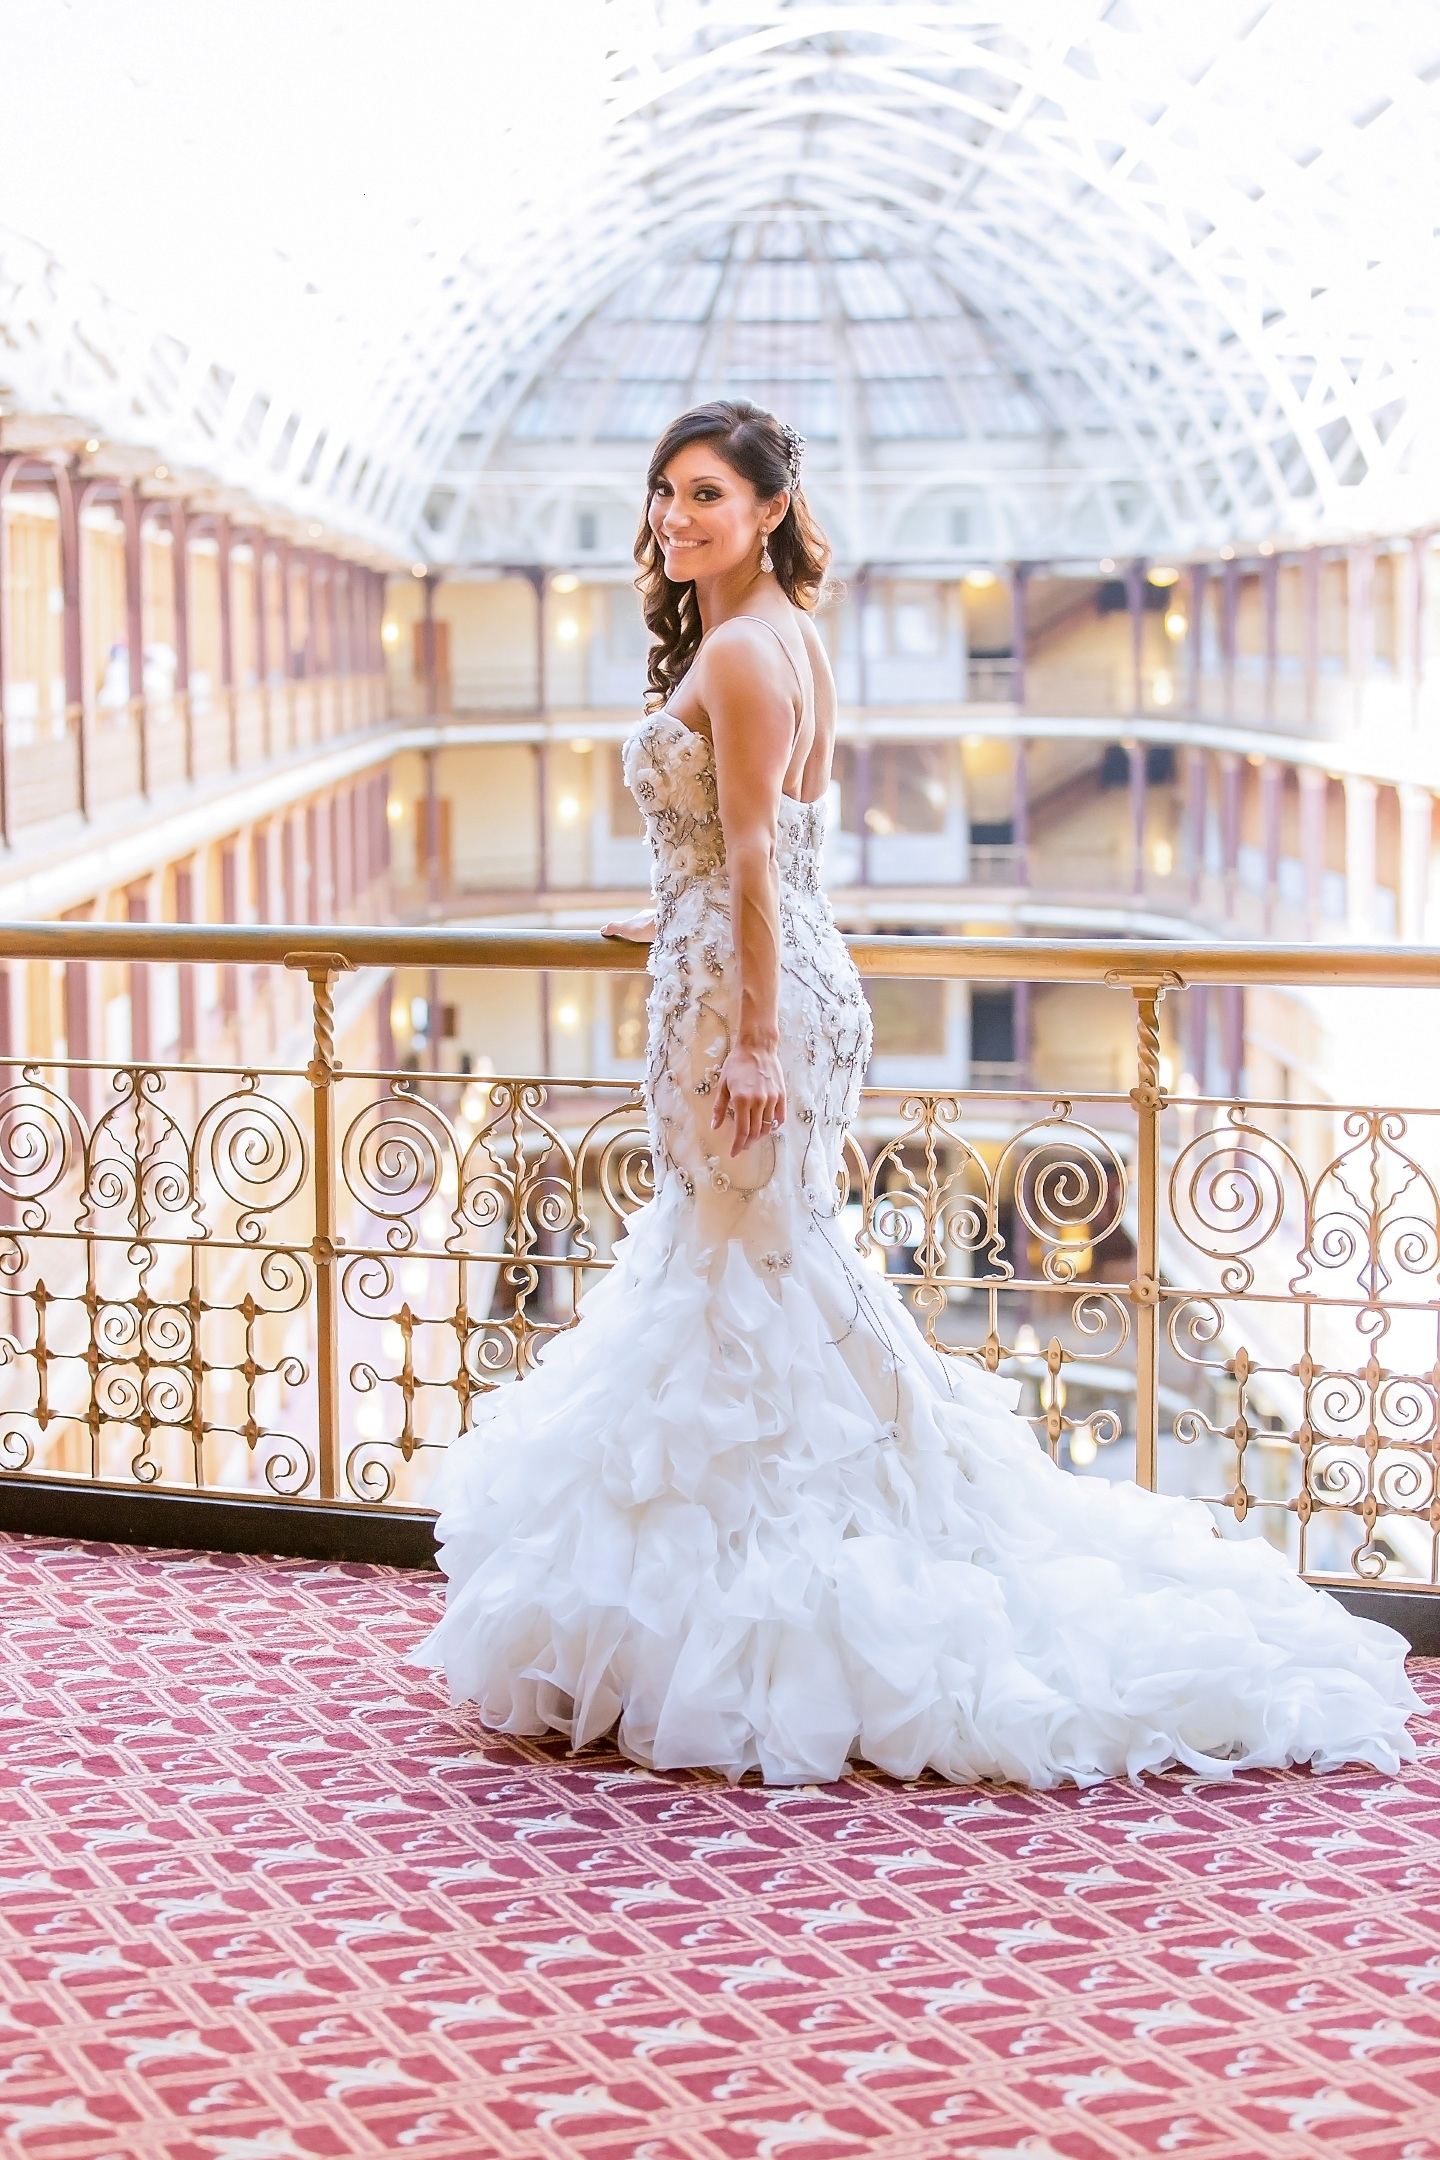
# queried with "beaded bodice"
point(825, 1030)
point(670, 770)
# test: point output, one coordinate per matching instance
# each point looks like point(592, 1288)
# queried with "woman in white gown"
point(741, 1514)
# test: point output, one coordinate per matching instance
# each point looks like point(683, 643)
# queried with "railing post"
point(1148, 1098)
point(322, 969)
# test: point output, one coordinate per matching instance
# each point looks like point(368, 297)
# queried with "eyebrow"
point(698, 481)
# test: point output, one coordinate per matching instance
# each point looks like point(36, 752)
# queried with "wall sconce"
point(1082, 1445)
point(394, 809)
point(1176, 622)
point(1162, 690)
point(567, 629)
point(566, 582)
point(567, 1016)
point(389, 632)
point(567, 809)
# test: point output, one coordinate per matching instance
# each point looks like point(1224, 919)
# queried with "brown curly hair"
point(751, 441)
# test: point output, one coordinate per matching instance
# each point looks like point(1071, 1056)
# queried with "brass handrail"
point(1117, 962)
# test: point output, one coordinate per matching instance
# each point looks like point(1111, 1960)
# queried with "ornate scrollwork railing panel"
point(154, 1278)
point(1001, 1217)
point(1303, 1296)
point(473, 1216)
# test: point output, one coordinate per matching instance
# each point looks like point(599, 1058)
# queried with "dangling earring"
point(765, 562)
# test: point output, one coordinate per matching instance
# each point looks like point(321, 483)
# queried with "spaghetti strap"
point(784, 648)
point(749, 617)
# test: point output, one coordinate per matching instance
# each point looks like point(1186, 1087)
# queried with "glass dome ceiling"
point(1053, 278)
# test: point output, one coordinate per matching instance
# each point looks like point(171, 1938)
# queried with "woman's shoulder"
point(750, 650)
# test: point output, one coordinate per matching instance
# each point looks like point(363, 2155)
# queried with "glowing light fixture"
point(582, 746)
point(1177, 622)
point(394, 809)
point(567, 1016)
point(980, 580)
point(567, 629)
point(1163, 574)
point(389, 632)
point(1082, 1446)
point(475, 1102)
point(566, 582)
point(567, 809)
point(1162, 689)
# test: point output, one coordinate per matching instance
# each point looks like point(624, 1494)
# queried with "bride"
point(742, 1514)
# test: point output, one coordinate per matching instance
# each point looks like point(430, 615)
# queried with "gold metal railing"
point(292, 1280)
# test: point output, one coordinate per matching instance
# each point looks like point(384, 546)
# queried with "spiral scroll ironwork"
point(162, 1261)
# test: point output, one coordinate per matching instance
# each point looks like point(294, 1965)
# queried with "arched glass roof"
point(1058, 277)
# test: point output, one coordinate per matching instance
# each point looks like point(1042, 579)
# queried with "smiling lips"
point(684, 543)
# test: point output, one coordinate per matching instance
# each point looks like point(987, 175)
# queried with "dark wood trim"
point(1415, 1613)
point(297, 1529)
point(394, 1537)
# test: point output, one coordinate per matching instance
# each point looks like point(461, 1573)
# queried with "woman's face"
point(707, 517)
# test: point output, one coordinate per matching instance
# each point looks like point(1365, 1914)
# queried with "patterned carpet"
point(265, 1897)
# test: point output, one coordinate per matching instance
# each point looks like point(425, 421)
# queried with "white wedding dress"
point(741, 1514)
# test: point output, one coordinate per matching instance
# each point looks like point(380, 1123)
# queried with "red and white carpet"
point(264, 1896)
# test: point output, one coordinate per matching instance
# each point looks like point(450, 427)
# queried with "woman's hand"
point(751, 1087)
point(638, 929)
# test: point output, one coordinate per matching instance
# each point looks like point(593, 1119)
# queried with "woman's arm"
point(752, 725)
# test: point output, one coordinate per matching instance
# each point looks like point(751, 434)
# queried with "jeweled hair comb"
point(794, 449)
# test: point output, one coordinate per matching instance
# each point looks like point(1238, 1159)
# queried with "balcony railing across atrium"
point(290, 1283)
point(77, 762)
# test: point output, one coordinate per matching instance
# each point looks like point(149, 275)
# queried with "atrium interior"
point(1111, 329)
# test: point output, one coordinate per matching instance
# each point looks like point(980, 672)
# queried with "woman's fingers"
point(634, 929)
point(753, 1121)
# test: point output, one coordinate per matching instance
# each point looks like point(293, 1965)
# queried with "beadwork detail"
point(825, 1027)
